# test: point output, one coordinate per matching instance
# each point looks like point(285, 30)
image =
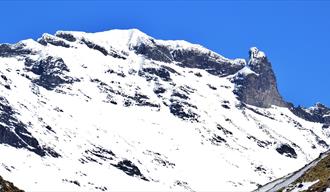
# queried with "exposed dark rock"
point(319, 113)
point(259, 88)
point(224, 130)
point(182, 111)
point(101, 49)
point(287, 150)
point(6, 186)
point(66, 36)
point(210, 62)
point(216, 140)
point(14, 133)
point(325, 126)
point(260, 169)
point(7, 87)
point(7, 50)
point(198, 74)
point(260, 143)
point(139, 100)
point(162, 73)
point(120, 74)
point(130, 169)
point(51, 72)
point(156, 52)
point(171, 70)
point(225, 106)
point(94, 46)
point(159, 90)
point(179, 95)
point(212, 87)
point(4, 77)
point(53, 41)
point(97, 155)
point(258, 112)
point(75, 182)
point(183, 184)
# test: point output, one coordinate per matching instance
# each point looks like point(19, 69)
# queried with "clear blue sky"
point(295, 35)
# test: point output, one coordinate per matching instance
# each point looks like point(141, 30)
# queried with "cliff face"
point(259, 87)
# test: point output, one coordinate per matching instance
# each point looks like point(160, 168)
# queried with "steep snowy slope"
point(121, 111)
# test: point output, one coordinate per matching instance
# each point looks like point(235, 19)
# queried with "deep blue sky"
point(295, 35)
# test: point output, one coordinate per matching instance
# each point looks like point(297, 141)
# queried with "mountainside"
point(122, 111)
point(315, 176)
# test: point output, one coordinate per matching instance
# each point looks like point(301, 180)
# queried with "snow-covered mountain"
point(122, 111)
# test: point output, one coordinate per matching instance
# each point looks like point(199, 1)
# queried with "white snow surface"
point(227, 149)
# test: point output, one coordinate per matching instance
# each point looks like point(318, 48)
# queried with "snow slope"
point(99, 111)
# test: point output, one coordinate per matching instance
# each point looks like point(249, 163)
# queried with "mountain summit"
point(96, 111)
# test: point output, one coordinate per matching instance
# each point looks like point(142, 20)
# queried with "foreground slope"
point(119, 110)
point(315, 176)
point(6, 186)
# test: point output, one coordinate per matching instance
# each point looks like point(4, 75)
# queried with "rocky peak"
point(256, 53)
point(259, 87)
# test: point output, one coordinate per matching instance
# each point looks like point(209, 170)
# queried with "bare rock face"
point(6, 186)
point(318, 113)
point(258, 87)
point(190, 58)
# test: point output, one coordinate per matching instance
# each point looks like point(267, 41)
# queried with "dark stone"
point(210, 62)
point(7, 50)
point(53, 41)
point(171, 70)
point(179, 95)
point(258, 112)
point(66, 36)
point(14, 133)
point(225, 106)
point(287, 150)
point(162, 73)
point(156, 52)
point(4, 77)
point(225, 131)
point(178, 110)
point(260, 169)
point(101, 49)
point(216, 140)
point(94, 46)
point(51, 72)
point(260, 143)
point(211, 87)
point(130, 169)
point(198, 74)
point(159, 90)
point(318, 113)
point(101, 153)
point(322, 143)
point(7, 87)
point(72, 181)
point(120, 74)
point(142, 100)
point(258, 89)
point(325, 126)
point(6, 186)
